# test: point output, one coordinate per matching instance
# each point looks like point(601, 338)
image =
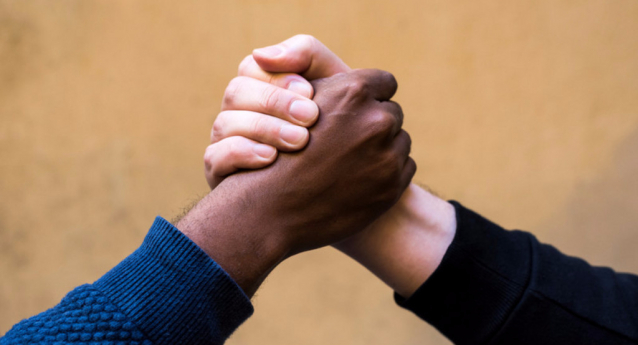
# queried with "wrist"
point(406, 245)
point(235, 237)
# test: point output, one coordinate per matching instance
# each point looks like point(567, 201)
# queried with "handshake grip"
point(355, 167)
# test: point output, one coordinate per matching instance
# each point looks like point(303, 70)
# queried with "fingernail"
point(271, 52)
point(292, 134)
point(264, 151)
point(305, 111)
point(300, 88)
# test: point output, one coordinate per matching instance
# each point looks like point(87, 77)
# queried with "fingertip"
point(301, 87)
point(270, 52)
point(295, 137)
point(305, 111)
point(245, 64)
point(265, 152)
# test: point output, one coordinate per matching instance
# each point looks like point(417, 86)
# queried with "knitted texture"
point(167, 292)
point(84, 316)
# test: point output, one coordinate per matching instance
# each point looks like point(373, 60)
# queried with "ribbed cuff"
point(174, 292)
point(480, 280)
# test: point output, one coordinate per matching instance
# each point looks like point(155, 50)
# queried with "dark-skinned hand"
point(355, 167)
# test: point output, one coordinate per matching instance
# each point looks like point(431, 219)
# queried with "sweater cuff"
point(174, 292)
point(479, 282)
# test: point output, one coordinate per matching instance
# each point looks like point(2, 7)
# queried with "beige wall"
point(526, 111)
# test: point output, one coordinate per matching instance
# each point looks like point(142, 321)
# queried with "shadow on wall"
point(600, 221)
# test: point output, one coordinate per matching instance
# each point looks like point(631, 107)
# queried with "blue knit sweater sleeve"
point(167, 292)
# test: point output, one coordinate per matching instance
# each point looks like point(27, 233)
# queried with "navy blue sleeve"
point(167, 292)
point(504, 287)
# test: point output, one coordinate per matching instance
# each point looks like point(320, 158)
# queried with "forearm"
point(504, 287)
point(406, 245)
point(235, 236)
point(168, 291)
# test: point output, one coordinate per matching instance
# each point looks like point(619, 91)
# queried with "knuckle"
point(406, 140)
point(245, 65)
point(384, 77)
point(269, 98)
point(209, 156)
point(387, 121)
point(233, 90)
point(219, 126)
point(356, 88)
point(410, 167)
point(234, 150)
point(214, 159)
point(388, 78)
point(395, 108)
point(259, 127)
point(382, 123)
point(307, 40)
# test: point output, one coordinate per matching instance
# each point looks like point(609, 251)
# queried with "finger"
point(302, 54)
point(245, 93)
point(395, 109)
point(409, 169)
point(290, 81)
point(263, 128)
point(381, 85)
point(231, 154)
point(402, 144)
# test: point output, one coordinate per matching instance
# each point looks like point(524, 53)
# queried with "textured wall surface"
point(526, 111)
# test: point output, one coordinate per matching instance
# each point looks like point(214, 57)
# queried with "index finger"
point(381, 85)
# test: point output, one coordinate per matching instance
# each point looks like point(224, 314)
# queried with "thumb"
point(301, 54)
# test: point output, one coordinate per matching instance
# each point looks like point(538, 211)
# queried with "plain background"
point(526, 111)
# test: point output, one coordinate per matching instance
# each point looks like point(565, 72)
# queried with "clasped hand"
point(296, 174)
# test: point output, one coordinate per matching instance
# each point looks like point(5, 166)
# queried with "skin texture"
point(284, 128)
point(243, 125)
point(405, 245)
point(355, 167)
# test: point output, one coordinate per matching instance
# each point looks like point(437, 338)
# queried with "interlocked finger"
point(244, 93)
point(232, 154)
point(263, 128)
